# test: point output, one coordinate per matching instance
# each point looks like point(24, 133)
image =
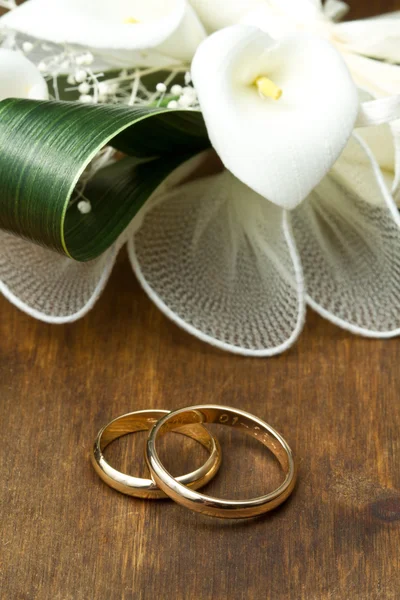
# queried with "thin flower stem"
point(181, 69)
point(135, 89)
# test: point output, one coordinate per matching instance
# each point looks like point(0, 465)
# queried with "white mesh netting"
point(350, 248)
point(220, 261)
point(48, 286)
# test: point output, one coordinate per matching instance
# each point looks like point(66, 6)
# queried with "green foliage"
point(46, 146)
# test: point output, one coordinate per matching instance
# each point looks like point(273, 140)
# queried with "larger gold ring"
point(143, 420)
point(215, 507)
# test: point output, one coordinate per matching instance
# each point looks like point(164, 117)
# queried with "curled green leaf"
point(46, 146)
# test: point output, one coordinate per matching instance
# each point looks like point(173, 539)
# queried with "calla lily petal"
point(220, 262)
point(350, 251)
point(376, 38)
point(217, 14)
point(295, 10)
point(378, 78)
point(47, 286)
point(182, 44)
point(279, 18)
point(19, 78)
point(279, 148)
point(101, 25)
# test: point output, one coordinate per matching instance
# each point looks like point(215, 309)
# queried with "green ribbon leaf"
point(46, 146)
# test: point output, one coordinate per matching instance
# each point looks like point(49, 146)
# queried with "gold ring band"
point(144, 420)
point(231, 417)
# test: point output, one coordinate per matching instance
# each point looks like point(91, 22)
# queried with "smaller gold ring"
point(143, 420)
point(208, 505)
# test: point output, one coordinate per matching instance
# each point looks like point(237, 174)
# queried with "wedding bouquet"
point(247, 152)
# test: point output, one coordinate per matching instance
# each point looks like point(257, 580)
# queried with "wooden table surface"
point(66, 536)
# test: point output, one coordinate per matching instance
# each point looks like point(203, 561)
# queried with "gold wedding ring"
point(146, 488)
point(231, 417)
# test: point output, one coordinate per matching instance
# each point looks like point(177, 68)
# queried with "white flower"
point(217, 14)
point(120, 31)
point(19, 78)
point(273, 108)
point(359, 41)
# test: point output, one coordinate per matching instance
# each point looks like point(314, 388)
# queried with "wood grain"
point(66, 536)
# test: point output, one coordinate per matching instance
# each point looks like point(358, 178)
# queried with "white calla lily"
point(275, 108)
point(19, 78)
point(359, 41)
point(119, 29)
point(217, 14)
point(282, 17)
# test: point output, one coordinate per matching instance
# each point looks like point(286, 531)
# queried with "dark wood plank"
point(361, 8)
point(66, 536)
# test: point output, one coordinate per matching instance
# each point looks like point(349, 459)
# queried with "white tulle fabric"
point(47, 286)
point(261, 140)
point(220, 261)
point(350, 248)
